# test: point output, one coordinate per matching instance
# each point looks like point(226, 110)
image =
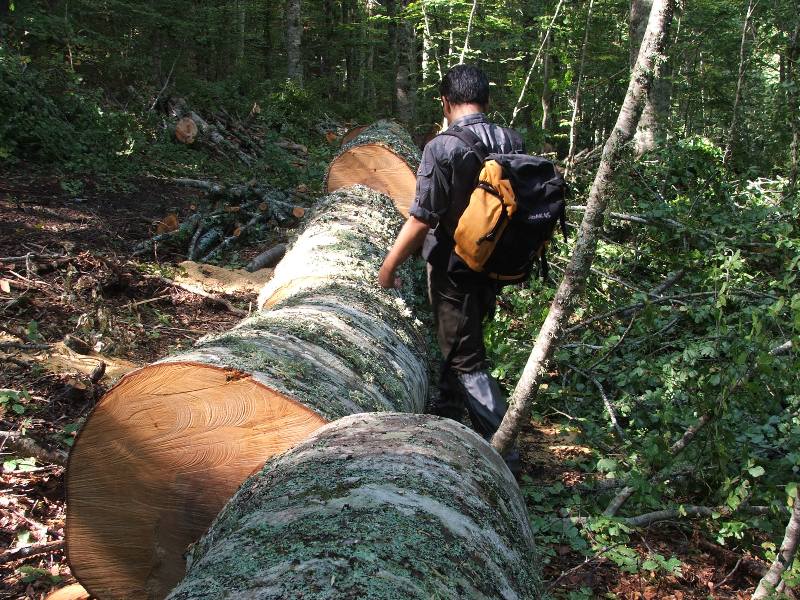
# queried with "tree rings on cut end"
point(159, 456)
point(377, 167)
point(186, 130)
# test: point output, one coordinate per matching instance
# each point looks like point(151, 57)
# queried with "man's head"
point(464, 87)
point(465, 84)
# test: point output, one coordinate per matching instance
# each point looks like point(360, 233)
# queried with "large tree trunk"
point(578, 269)
point(168, 445)
point(382, 156)
point(294, 37)
point(373, 506)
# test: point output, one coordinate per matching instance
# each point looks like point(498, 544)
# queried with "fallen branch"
point(198, 291)
point(17, 442)
point(268, 258)
point(32, 550)
point(685, 510)
point(24, 346)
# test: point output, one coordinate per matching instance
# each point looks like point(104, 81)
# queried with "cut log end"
point(167, 447)
point(377, 167)
point(186, 130)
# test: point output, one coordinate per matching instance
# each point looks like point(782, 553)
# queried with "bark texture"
point(167, 446)
point(575, 276)
point(652, 123)
point(294, 38)
point(373, 506)
point(772, 580)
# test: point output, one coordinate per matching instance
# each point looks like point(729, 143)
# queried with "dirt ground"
point(87, 290)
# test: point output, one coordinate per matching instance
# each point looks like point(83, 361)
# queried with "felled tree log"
point(168, 445)
point(352, 134)
point(382, 156)
point(373, 506)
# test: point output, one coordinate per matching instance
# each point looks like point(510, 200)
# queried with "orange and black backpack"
point(517, 203)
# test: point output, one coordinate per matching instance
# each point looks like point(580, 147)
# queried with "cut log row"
point(383, 156)
point(373, 506)
point(168, 445)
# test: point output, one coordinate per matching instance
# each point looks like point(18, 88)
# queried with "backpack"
point(517, 202)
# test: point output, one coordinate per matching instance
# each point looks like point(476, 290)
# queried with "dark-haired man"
point(461, 298)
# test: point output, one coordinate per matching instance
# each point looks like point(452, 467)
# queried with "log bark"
point(170, 443)
point(373, 506)
point(383, 156)
point(575, 277)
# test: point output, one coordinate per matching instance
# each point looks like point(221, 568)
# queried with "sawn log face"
point(167, 447)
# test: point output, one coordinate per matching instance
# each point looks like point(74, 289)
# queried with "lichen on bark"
point(373, 506)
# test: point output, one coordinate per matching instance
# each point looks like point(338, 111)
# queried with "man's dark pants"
point(460, 305)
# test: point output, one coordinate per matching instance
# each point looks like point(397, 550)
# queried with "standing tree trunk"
point(519, 105)
point(241, 10)
point(429, 50)
point(576, 103)
point(578, 269)
point(294, 38)
point(169, 444)
point(547, 92)
point(403, 92)
point(739, 83)
point(652, 123)
point(793, 97)
point(376, 506)
point(469, 30)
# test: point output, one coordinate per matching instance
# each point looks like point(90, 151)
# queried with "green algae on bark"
point(372, 506)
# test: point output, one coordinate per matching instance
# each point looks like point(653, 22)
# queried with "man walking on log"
point(460, 298)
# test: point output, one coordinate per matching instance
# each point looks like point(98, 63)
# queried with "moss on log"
point(382, 156)
point(170, 443)
point(373, 506)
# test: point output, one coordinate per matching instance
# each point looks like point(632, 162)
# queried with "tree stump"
point(373, 506)
point(169, 444)
point(382, 156)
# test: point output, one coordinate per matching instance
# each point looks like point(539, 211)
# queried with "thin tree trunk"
point(573, 133)
point(518, 106)
point(469, 30)
point(547, 93)
point(772, 580)
point(739, 81)
point(793, 98)
point(241, 9)
point(404, 97)
point(583, 254)
point(294, 38)
point(430, 47)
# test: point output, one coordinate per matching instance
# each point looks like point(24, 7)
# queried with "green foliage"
point(16, 402)
point(663, 364)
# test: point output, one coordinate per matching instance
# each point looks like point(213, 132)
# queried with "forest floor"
point(124, 313)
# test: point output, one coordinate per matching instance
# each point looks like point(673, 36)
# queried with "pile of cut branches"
point(245, 140)
point(230, 215)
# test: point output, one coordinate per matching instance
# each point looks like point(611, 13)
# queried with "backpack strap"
point(470, 138)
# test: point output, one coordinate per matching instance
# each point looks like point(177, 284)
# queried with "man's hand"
point(409, 240)
point(387, 279)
